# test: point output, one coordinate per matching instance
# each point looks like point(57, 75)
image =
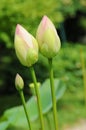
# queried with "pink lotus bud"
point(19, 83)
point(47, 37)
point(26, 46)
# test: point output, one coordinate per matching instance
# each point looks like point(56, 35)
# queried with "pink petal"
point(24, 35)
point(44, 21)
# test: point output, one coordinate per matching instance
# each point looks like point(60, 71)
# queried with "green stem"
point(84, 74)
point(38, 96)
point(25, 109)
point(48, 121)
point(53, 93)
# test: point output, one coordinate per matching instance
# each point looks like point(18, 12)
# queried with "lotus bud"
point(47, 37)
point(19, 83)
point(26, 47)
point(32, 87)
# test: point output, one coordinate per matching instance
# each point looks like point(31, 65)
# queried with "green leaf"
point(16, 115)
point(4, 125)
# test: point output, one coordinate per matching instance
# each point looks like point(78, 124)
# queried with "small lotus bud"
point(47, 37)
point(32, 87)
point(19, 83)
point(26, 46)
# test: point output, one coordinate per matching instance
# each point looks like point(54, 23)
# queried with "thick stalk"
point(53, 94)
point(25, 109)
point(38, 96)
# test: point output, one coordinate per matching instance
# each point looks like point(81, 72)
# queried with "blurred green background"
point(69, 17)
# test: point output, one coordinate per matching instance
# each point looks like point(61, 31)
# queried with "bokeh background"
point(69, 17)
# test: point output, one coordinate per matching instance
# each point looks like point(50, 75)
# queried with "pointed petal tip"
point(18, 26)
point(44, 21)
point(44, 18)
point(17, 74)
point(17, 29)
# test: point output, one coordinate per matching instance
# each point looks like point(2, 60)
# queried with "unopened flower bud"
point(26, 46)
point(32, 87)
point(48, 39)
point(19, 83)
